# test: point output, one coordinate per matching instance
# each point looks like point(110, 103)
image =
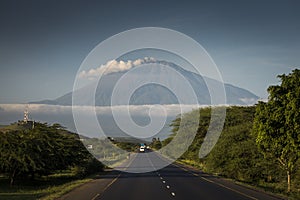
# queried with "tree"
point(277, 123)
point(12, 158)
point(42, 150)
point(156, 143)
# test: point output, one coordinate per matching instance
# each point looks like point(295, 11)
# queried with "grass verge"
point(57, 191)
point(48, 188)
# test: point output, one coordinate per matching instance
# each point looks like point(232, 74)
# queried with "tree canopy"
point(277, 123)
point(41, 150)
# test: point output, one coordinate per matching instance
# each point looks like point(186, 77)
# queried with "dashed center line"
point(167, 186)
point(161, 178)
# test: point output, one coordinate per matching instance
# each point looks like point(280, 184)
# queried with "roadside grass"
point(191, 163)
point(58, 191)
point(44, 188)
point(279, 189)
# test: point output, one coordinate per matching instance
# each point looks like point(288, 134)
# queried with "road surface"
point(174, 182)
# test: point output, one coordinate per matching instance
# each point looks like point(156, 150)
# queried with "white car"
point(142, 149)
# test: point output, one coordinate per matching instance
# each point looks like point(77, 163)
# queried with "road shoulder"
point(96, 187)
point(230, 184)
point(93, 188)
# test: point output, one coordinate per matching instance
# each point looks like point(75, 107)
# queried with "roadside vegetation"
point(42, 161)
point(259, 145)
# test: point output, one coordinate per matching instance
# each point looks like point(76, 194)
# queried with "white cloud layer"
point(170, 110)
point(249, 101)
point(144, 114)
point(112, 66)
point(10, 113)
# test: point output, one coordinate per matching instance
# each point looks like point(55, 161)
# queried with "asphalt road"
point(171, 182)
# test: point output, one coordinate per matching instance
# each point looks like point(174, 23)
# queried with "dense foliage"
point(236, 154)
point(43, 150)
point(156, 143)
point(277, 123)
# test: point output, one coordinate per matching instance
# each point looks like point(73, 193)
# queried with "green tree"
point(43, 150)
point(12, 159)
point(156, 143)
point(277, 123)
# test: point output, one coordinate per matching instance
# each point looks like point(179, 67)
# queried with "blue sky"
point(42, 43)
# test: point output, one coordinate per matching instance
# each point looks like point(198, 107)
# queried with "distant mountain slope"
point(153, 93)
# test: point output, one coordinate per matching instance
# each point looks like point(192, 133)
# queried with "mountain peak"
point(150, 93)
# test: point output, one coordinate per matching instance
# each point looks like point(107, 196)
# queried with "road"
point(174, 182)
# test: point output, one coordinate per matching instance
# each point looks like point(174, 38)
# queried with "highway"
point(172, 182)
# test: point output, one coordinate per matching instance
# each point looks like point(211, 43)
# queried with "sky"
point(43, 43)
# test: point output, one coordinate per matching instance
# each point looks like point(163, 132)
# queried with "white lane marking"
point(231, 189)
point(150, 161)
point(114, 180)
point(97, 195)
point(172, 193)
point(183, 169)
point(195, 174)
point(219, 184)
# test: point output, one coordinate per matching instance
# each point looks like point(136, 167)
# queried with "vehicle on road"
point(142, 149)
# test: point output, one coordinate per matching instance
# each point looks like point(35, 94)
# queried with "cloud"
point(113, 66)
point(169, 109)
point(63, 114)
point(249, 101)
point(140, 114)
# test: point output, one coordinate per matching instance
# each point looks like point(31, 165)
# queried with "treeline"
point(258, 144)
point(43, 150)
point(236, 154)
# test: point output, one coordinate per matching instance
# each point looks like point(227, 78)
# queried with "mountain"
point(154, 93)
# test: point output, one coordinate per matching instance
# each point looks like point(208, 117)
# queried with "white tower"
point(26, 118)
